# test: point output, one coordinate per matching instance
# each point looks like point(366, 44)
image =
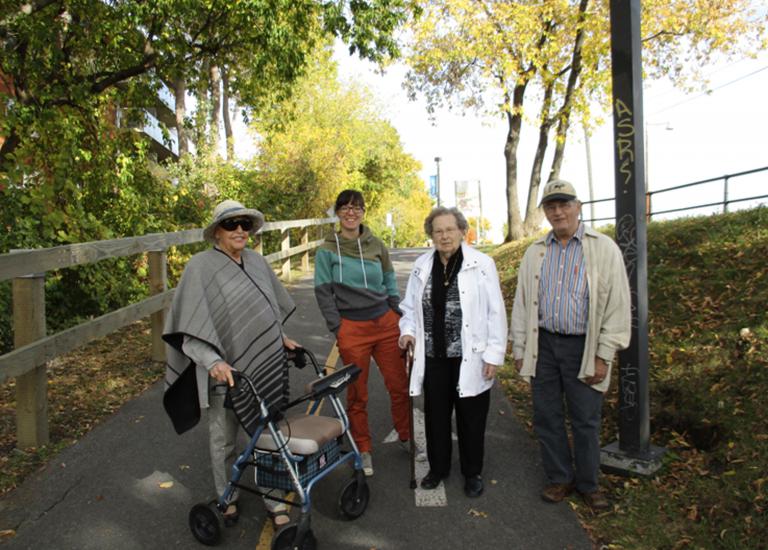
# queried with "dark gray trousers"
point(557, 367)
point(223, 428)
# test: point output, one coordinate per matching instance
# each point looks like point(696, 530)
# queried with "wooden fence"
point(33, 348)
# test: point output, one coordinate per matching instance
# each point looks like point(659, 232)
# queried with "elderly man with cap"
point(570, 316)
point(227, 313)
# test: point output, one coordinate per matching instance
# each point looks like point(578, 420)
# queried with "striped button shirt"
point(563, 288)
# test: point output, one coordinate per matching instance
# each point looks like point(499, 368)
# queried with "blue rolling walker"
point(290, 453)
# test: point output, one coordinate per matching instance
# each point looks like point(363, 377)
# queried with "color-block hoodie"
point(354, 279)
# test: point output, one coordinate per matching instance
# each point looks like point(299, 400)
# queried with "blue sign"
point(433, 187)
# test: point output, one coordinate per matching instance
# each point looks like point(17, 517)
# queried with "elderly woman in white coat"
point(454, 316)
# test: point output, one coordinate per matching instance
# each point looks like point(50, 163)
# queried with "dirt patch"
point(84, 387)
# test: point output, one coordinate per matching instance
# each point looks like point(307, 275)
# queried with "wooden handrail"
point(26, 358)
point(27, 362)
point(24, 262)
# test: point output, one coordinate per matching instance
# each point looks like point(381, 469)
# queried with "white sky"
point(711, 135)
point(691, 137)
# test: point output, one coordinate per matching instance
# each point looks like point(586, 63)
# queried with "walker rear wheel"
point(206, 523)
point(283, 539)
point(351, 504)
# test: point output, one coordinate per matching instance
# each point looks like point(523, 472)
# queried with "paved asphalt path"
point(111, 490)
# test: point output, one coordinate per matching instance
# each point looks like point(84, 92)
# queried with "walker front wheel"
point(353, 499)
point(284, 539)
point(206, 523)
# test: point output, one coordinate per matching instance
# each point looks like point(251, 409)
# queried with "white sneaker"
point(367, 463)
point(421, 454)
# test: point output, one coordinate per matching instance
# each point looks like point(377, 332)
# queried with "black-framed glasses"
point(354, 209)
point(246, 224)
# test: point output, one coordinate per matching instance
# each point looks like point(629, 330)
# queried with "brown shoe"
point(596, 500)
point(556, 492)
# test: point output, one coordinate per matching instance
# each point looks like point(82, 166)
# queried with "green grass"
point(707, 280)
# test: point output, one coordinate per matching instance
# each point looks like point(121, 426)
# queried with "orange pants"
point(358, 341)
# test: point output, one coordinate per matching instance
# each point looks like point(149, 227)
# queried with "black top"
point(442, 308)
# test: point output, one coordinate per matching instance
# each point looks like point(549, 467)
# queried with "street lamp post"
point(437, 162)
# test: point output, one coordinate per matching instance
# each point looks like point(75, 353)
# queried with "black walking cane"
point(409, 364)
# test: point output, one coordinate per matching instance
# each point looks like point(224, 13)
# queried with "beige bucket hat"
point(232, 209)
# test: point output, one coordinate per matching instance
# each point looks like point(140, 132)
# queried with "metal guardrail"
point(727, 200)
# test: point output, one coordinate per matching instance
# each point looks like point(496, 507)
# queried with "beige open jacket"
point(609, 317)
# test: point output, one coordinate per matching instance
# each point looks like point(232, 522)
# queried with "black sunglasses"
point(231, 224)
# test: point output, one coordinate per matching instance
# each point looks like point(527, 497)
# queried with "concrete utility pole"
point(633, 452)
point(480, 207)
point(589, 177)
point(437, 161)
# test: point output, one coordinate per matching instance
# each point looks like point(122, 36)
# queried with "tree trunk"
point(227, 118)
point(515, 227)
point(533, 214)
point(180, 91)
point(515, 120)
point(564, 115)
point(202, 142)
point(215, 85)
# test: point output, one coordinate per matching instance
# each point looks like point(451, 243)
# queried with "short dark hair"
point(461, 221)
point(349, 196)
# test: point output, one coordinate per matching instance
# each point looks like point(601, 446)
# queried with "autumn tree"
point(478, 230)
point(330, 136)
point(547, 62)
point(60, 54)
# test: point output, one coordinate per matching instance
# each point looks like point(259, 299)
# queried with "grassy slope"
point(707, 280)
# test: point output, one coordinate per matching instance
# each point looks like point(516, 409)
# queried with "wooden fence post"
point(305, 256)
point(158, 283)
point(286, 244)
point(31, 387)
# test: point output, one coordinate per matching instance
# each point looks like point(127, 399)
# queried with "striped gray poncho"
point(239, 312)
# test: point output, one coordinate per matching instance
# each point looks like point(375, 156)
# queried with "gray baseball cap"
point(558, 190)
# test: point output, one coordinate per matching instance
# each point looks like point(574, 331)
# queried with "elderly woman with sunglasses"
point(454, 317)
point(227, 313)
point(357, 293)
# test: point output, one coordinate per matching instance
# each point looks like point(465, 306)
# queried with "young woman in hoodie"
point(357, 293)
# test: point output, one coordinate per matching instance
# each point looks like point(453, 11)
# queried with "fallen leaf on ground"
point(7, 533)
point(166, 484)
point(476, 513)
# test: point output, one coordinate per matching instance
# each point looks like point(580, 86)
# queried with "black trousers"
point(441, 379)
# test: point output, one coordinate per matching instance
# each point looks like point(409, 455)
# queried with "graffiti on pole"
point(625, 140)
